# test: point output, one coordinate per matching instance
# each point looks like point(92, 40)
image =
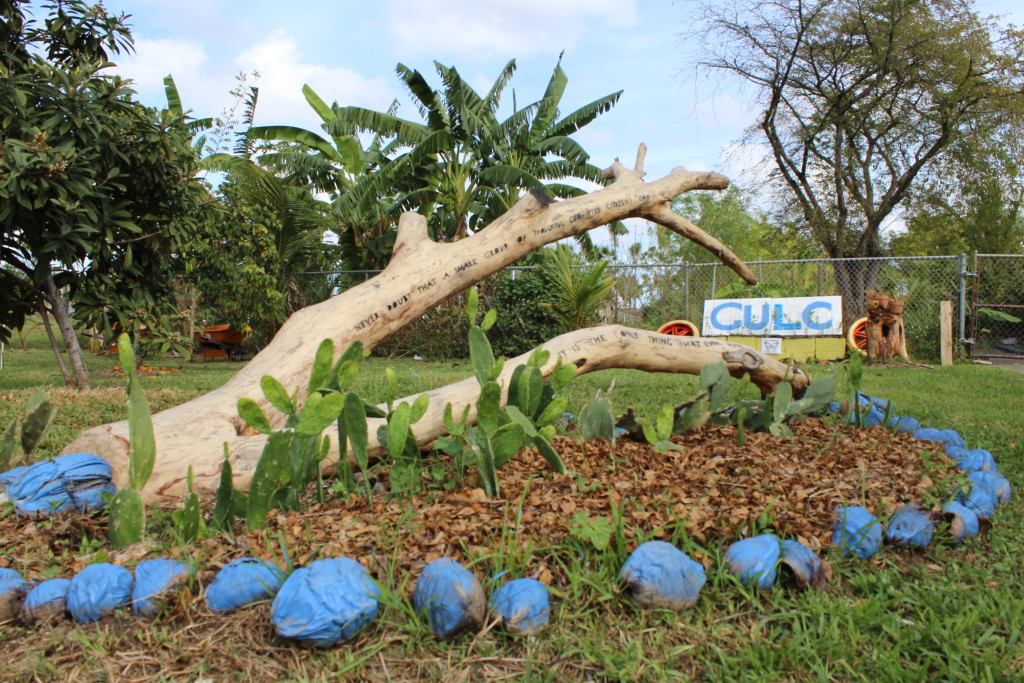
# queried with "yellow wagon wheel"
point(680, 328)
point(857, 337)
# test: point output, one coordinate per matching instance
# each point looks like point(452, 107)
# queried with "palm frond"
point(547, 107)
point(493, 96)
point(379, 123)
point(584, 115)
point(325, 113)
point(425, 98)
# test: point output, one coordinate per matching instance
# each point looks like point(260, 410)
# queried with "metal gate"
point(997, 306)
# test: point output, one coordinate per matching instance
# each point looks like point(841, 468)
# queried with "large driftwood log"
point(594, 348)
point(421, 274)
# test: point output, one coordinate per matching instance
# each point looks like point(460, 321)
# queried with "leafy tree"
point(95, 189)
point(462, 166)
point(266, 233)
point(974, 202)
point(737, 223)
point(366, 230)
point(858, 98)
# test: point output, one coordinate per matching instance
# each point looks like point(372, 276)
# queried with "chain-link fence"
point(650, 295)
point(997, 306)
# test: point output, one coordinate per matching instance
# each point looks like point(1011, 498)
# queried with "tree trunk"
point(421, 274)
point(67, 330)
point(853, 279)
point(53, 343)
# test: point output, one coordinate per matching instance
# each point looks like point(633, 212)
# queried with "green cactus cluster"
point(126, 510)
point(525, 420)
point(291, 458)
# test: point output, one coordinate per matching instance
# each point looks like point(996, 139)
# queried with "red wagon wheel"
point(680, 328)
point(857, 336)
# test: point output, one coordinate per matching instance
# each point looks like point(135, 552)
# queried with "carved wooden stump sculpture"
point(422, 273)
point(886, 334)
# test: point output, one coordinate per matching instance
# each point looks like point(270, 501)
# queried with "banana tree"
point(462, 166)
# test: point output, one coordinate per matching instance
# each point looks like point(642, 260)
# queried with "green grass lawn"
point(944, 614)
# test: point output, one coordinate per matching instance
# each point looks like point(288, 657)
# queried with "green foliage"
point(734, 219)
point(127, 513)
point(127, 517)
point(291, 457)
point(523, 323)
point(33, 424)
point(576, 291)
point(714, 382)
point(188, 519)
point(462, 166)
point(596, 420)
point(990, 314)
point(597, 531)
point(948, 74)
point(659, 431)
point(772, 413)
point(95, 189)
point(263, 233)
point(525, 420)
point(140, 424)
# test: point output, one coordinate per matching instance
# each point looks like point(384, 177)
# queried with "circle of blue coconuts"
point(331, 600)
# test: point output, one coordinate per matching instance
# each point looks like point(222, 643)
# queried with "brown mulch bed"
point(712, 489)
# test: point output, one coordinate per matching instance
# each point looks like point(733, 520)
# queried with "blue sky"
point(347, 50)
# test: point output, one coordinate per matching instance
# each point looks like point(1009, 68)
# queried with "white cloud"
point(155, 59)
point(501, 27)
point(283, 72)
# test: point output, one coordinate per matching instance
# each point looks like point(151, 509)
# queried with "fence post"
point(946, 332)
point(963, 298)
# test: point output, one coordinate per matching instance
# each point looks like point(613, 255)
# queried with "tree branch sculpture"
point(422, 273)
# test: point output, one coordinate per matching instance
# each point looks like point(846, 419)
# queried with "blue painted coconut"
point(755, 560)
point(325, 603)
point(909, 527)
point(74, 480)
point(45, 602)
point(947, 436)
point(807, 568)
point(451, 597)
point(242, 582)
point(997, 483)
point(97, 591)
point(523, 606)
point(154, 580)
point(857, 531)
point(963, 522)
point(12, 595)
point(659, 575)
point(904, 424)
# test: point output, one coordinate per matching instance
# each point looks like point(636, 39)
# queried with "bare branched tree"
point(857, 98)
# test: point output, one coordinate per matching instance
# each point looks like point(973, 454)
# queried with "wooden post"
point(946, 332)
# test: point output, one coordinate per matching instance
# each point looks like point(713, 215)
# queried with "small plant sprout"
point(659, 431)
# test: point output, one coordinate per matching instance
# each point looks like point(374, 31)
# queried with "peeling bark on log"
point(421, 274)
